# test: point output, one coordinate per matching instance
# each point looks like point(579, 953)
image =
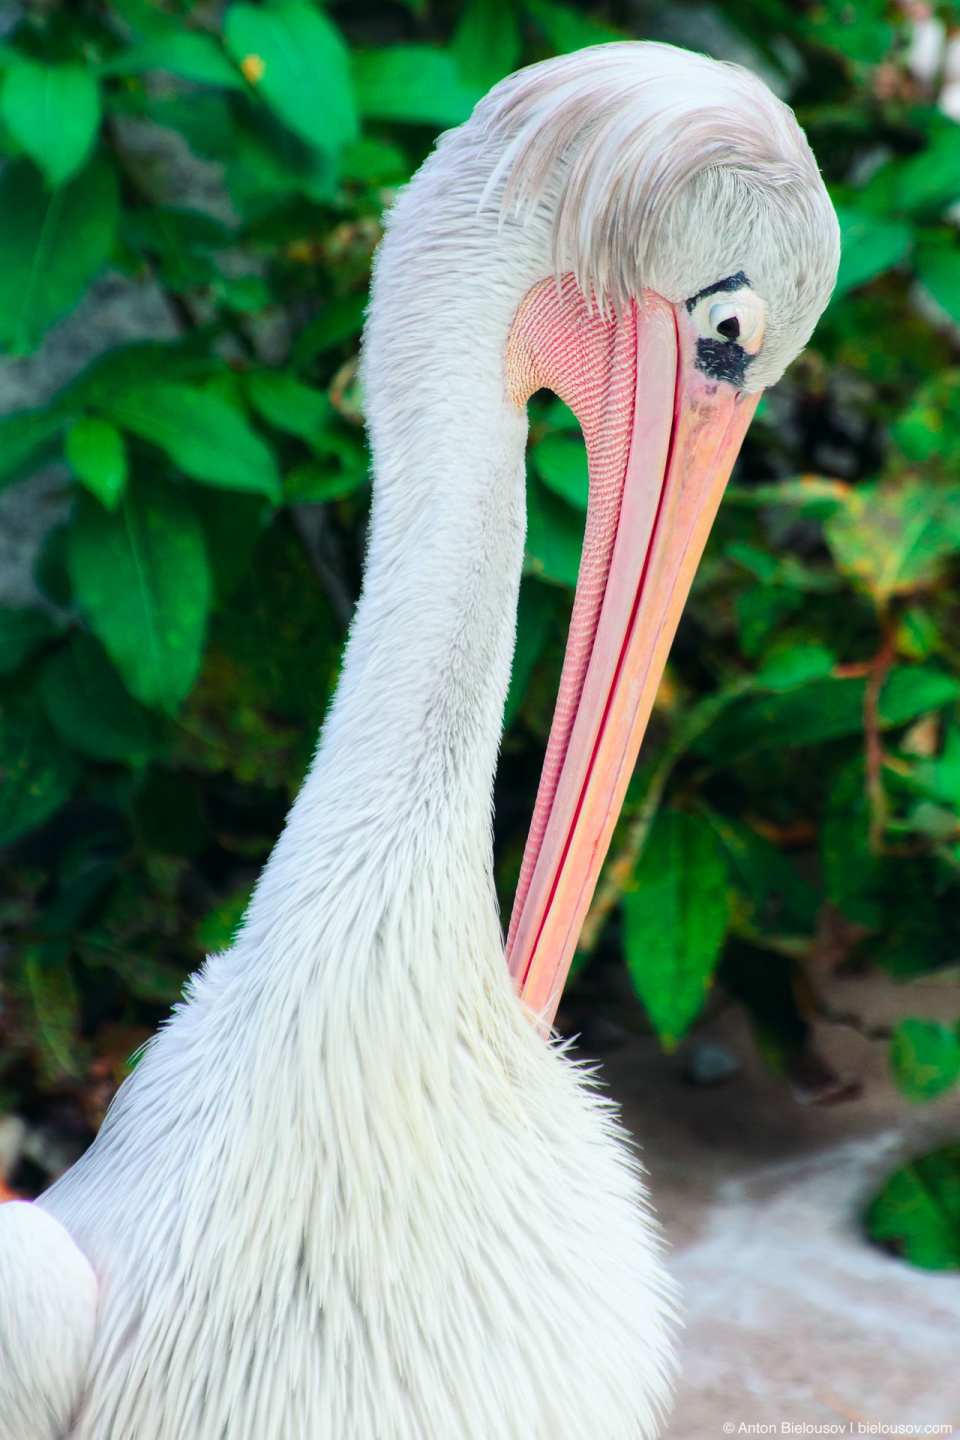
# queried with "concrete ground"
point(790, 1315)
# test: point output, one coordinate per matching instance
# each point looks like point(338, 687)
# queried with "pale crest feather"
point(666, 169)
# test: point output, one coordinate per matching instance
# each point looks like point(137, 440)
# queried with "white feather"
point(48, 1312)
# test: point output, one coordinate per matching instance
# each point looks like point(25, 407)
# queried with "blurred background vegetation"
point(202, 499)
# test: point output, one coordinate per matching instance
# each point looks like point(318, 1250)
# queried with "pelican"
point(352, 1191)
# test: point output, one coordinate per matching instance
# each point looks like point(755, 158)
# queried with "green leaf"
point(53, 112)
point(535, 612)
point(783, 900)
point(56, 1007)
point(36, 773)
point(939, 271)
point(869, 246)
point(917, 1212)
point(90, 710)
point(52, 244)
point(924, 1058)
point(568, 29)
point(796, 665)
point(21, 632)
point(316, 484)
point(821, 710)
point(860, 33)
point(554, 538)
point(675, 920)
point(929, 429)
point(181, 240)
point(129, 367)
point(415, 83)
point(941, 777)
point(141, 579)
point(561, 462)
point(297, 60)
point(759, 611)
point(853, 874)
point(929, 181)
point(339, 320)
point(893, 537)
point(185, 53)
point(96, 454)
point(217, 929)
point(372, 161)
point(202, 434)
point(28, 440)
point(487, 44)
point(287, 404)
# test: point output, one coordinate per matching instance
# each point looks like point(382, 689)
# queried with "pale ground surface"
point(790, 1315)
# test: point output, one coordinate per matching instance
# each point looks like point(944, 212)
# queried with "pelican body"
point(352, 1191)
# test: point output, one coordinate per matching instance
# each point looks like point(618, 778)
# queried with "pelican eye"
point(726, 322)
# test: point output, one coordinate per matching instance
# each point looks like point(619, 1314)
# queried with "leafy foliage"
point(161, 697)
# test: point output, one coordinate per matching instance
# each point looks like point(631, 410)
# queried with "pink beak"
point(661, 438)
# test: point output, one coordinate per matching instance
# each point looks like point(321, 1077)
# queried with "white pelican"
point(351, 1192)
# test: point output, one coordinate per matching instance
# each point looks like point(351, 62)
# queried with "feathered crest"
point(632, 147)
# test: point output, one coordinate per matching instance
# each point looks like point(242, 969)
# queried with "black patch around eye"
point(732, 282)
point(729, 328)
point(723, 360)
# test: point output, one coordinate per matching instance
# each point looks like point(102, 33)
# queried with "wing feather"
point(48, 1313)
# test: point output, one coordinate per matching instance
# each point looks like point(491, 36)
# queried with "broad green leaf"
point(853, 874)
point(202, 434)
point(37, 773)
point(941, 777)
point(88, 707)
point(783, 900)
point(535, 612)
point(823, 709)
point(415, 83)
point(568, 29)
point(931, 179)
point(339, 320)
point(185, 53)
point(929, 430)
point(297, 61)
point(21, 632)
point(180, 239)
point(217, 929)
point(140, 577)
point(860, 33)
point(939, 271)
point(96, 454)
point(788, 668)
point(561, 462)
point(287, 404)
point(316, 484)
point(924, 1058)
point(913, 690)
point(129, 367)
point(52, 244)
point(868, 246)
point(28, 440)
point(760, 609)
point(917, 1212)
point(893, 537)
point(554, 538)
point(53, 111)
point(487, 44)
point(56, 1007)
point(675, 920)
point(368, 160)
